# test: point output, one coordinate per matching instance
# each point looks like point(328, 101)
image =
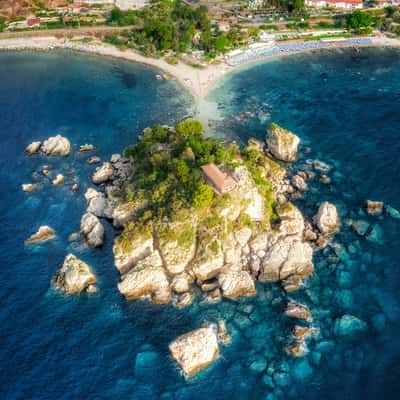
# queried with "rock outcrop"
point(298, 311)
point(58, 180)
point(43, 234)
point(56, 146)
point(92, 230)
point(74, 276)
point(103, 173)
point(195, 350)
point(32, 148)
point(327, 219)
point(97, 204)
point(282, 144)
point(236, 283)
point(147, 280)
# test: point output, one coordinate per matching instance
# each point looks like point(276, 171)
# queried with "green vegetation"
point(359, 21)
point(172, 26)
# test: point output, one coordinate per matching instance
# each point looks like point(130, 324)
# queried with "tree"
point(203, 197)
point(189, 129)
point(221, 43)
point(359, 20)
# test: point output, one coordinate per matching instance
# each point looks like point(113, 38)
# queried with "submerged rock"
point(74, 276)
point(56, 146)
point(92, 230)
point(32, 148)
point(297, 310)
point(103, 173)
point(392, 212)
point(327, 219)
point(374, 207)
point(349, 327)
point(282, 144)
point(44, 233)
point(195, 350)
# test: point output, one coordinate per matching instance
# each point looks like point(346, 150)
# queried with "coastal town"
point(197, 43)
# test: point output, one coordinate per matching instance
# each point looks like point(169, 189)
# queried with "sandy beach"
point(197, 81)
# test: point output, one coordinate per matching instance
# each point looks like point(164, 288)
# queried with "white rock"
point(92, 230)
point(29, 187)
point(97, 204)
point(236, 284)
point(242, 236)
point(74, 276)
point(299, 183)
point(58, 180)
point(147, 279)
point(33, 148)
point(181, 283)
point(56, 146)
point(195, 350)
point(86, 147)
point(44, 233)
point(103, 173)
point(327, 219)
point(282, 144)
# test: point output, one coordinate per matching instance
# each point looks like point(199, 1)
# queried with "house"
point(342, 4)
point(31, 22)
point(220, 181)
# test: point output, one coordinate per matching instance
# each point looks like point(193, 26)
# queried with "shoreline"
point(197, 81)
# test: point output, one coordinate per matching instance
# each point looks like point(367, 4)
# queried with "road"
point(84, 31)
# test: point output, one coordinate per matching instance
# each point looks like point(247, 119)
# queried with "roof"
point(220, 180)
point(33, 21)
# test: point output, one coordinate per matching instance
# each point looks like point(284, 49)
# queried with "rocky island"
point(198, 217)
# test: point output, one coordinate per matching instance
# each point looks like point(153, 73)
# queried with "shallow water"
point(345, 106)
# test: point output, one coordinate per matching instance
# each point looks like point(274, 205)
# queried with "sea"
point(345, 107)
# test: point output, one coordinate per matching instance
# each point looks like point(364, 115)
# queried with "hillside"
point(23, 8)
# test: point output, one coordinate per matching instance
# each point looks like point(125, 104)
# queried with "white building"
point(342, 4)
point(131, 4)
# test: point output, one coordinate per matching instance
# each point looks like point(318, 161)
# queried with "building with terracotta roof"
point(220, 181)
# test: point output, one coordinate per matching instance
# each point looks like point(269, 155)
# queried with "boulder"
point(92, 230)
point(32, 148)
point(297, 349)
point(181, 283)
point(59, 179)
point(74, 276)
point(93, 160)
point(195, 350)
point(349, 327)
point(301, 332)
point(374, 207)
point(44, 233)
point(299, 183)
point(29, 187)
point(56, 146)
point(83, 148)
point(147, 280)
point(103, 173)
point(327, 219)
point(184, 300)
point(97, 204)
point(297, 310)
point(236, 284)
point(282, 144)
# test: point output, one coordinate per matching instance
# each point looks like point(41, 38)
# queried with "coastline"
point(198, 81)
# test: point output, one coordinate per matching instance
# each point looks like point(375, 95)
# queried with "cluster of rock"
point(75, 276)
point(56, 146)
point(43, 234)
point(53, 146)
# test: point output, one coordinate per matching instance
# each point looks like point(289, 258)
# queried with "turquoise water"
point(344, 106)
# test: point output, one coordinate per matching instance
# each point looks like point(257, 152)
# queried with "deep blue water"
point(344, 106)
